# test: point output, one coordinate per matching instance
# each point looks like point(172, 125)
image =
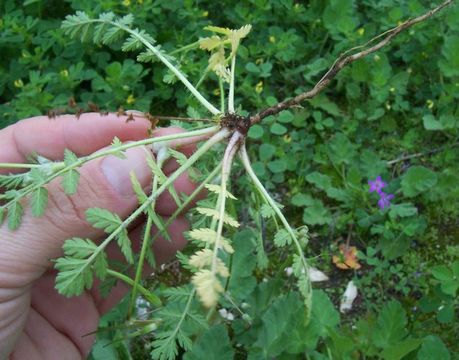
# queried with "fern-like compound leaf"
point(110, 222)
point(103, 219)
point(217, 189)
point(282, 238)
point(207, 235)
point(75, 269)
point(12, 181)
point(227, 219)
point(207, 286)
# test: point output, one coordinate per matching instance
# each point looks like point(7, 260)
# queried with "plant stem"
point(246, 162)
point(231, 88)
point(162, 117)
point(343, 60)
point(171, 67)
point(148, 295)
point(222, 95)
point(203, 77)
point(145, 243)
point(419, 154)
point(184, 313)
point(19, 166)
point(189, 200)
point(81, 161)
point(191, 160)
point(143, 251)
point(191, 46)
point(226, 169)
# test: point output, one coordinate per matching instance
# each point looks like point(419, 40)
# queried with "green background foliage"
point(316, 160)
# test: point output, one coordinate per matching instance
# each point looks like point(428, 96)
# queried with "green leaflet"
point(39, 201)
point(282, 238)
point(15, 212)
point(71, 177)
point(109, 222)
point(70, 181)
point(116, 143)
point(180, 322)
point(75, 269)
point(12, 181)
point(213, 344)
point(141, 196)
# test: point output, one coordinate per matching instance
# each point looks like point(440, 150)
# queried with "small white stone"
point(316, 275)
point(348, 297)
point(223, 313)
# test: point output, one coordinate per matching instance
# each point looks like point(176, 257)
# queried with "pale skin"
point(35, 321)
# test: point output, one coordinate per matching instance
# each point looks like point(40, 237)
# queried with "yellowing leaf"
point(201, 259)
point(217, 189)
point(205, 258)
point(237, 35)
point(210, 43)
point(347, 258)
point(242, 32)
point(217, 63)
point(218, 30)
point(208, 236)
point(208, 287)
point(228, 219)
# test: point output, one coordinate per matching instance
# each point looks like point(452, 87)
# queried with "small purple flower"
point(377, 185)
point(384, 200)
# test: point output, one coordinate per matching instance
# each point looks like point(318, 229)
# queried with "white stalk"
point(246, 162)
point(231, 87)
point(226, 169)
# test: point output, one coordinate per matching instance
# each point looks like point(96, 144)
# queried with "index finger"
point(84, 135)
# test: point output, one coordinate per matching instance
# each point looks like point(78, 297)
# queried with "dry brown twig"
point(344, 60)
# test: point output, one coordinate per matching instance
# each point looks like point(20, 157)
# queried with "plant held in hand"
point(214, 222)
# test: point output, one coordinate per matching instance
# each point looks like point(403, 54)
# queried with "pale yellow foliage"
point(217, 63)
point(204, 258)
point(227, 219)
point(210, 43)
point(218, 30)
point(201, 259)
point(217, 189)
point(208, 287)
point(237, 35)
point(216, 44)
point(209, 236)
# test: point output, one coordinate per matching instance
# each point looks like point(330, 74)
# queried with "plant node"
point(233, 121)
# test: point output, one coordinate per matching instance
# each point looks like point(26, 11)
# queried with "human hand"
point(35, 321)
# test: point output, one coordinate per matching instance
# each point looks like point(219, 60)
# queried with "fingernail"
point(117, 170)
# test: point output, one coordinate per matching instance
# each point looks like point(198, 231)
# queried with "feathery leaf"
point(75, 268)
point(15, 212)
point(227, 219)
point(39, 201)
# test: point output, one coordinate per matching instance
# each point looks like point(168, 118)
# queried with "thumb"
point(104, 183)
